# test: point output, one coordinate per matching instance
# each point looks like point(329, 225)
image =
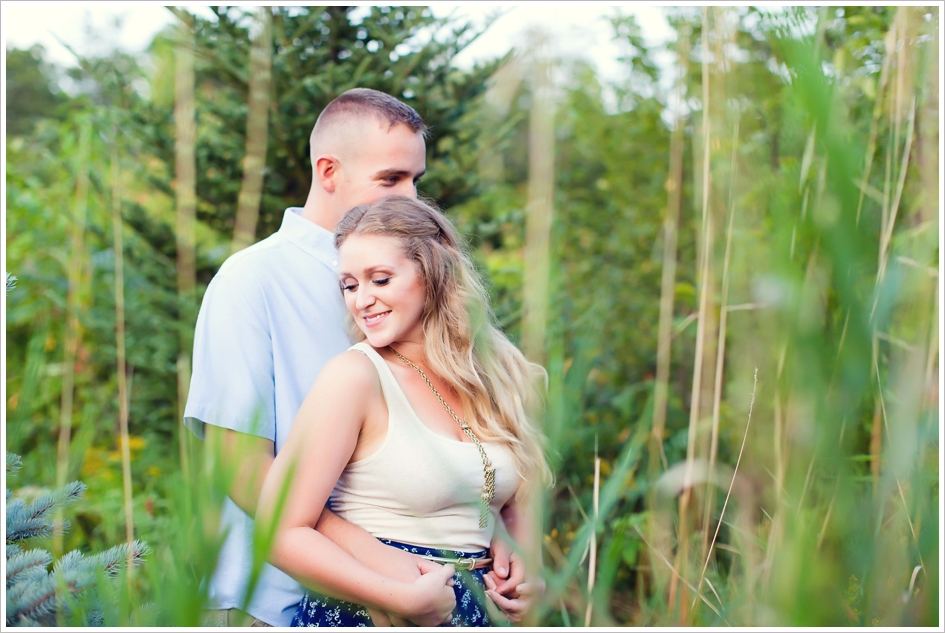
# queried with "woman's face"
point(382, 289)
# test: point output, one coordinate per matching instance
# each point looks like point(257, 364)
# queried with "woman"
point(418, 433)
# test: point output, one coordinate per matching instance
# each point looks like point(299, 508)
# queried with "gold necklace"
point(488, 487)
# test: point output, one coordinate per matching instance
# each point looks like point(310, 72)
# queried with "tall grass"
point(828, 517)
point(77, 260)
point(120, 357)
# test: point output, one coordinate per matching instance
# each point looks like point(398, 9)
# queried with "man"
point(270, 320)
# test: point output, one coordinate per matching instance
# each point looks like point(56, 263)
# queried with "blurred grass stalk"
point(592, 564)
point(540, 203)
point(121, 375)
point(537, 71)
point(719, 369)
point(674, 187)
point(77, 256)
point(712, 97)
point(186, 172)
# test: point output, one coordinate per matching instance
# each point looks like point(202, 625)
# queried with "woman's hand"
point(430, 600)
point(414, 566)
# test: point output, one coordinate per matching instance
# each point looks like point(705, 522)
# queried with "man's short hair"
point(363, 101)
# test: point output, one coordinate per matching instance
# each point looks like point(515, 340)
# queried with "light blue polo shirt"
point(270, 320)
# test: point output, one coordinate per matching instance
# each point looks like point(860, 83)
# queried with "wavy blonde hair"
point(500, 390)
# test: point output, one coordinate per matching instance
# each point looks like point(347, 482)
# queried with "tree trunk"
point(257, 124)
point(540, 205)
point(186, 172)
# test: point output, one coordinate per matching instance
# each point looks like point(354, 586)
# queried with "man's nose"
point(406, 188)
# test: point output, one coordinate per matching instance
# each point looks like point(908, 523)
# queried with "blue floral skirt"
point(319, 610)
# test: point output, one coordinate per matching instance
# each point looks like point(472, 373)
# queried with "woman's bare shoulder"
point(350, 372)
point(344, 391)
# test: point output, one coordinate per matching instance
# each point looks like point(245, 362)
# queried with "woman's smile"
point(372, 320)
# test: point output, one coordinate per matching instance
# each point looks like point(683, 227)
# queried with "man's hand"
point(508, 570)
point(511, 591)
point(500, 551)
point(515, 604)
point(513, 594)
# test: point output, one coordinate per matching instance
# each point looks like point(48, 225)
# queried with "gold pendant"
point(483, 514)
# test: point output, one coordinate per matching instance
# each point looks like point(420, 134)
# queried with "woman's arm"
point(390, 561)
point(321, 442)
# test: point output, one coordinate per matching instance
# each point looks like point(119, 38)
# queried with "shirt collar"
point(310, 237)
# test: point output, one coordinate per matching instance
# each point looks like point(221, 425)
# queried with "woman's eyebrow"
point(367, 271)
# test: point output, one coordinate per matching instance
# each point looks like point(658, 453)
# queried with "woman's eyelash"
point(376, 282)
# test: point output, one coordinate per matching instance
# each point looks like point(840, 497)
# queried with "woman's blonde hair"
point(499, 389)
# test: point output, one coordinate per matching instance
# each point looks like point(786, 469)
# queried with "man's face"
point(381, 162)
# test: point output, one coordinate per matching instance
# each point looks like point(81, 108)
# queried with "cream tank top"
point(420, 487)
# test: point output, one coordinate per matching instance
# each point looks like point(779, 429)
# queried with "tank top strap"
point(398, 407)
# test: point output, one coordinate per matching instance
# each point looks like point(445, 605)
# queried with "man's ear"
point(326, 172)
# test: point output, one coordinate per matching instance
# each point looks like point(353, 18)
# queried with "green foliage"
point(32, 90)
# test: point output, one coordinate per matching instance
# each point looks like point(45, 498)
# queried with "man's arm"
point(241, 461)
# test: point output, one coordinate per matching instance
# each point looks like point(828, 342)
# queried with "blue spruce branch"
point(69, 562)
point(13, 463)
point(42, 600)
point(27, 564)
point(37, 597)
point(111, 561)
point(67, 495)
point(32, 521)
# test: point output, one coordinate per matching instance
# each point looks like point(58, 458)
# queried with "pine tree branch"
point(25, 564)
point(67, 495)
point(111, 561)
point(13, 461)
